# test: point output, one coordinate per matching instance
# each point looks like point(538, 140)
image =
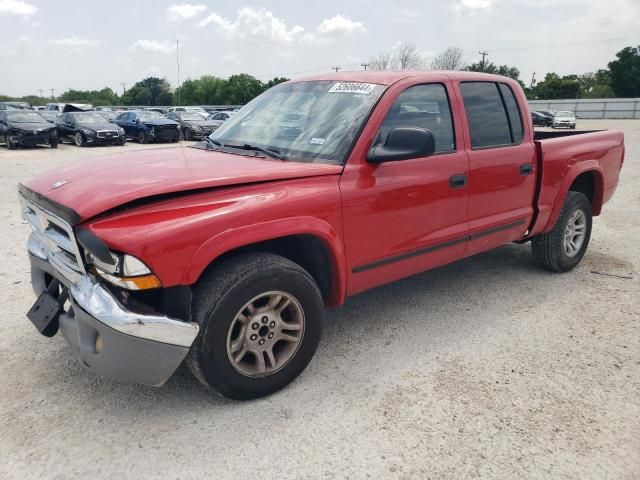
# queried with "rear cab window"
point(493, 114)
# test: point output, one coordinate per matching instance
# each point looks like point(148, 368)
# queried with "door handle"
point(458, 181)
point(526, 168)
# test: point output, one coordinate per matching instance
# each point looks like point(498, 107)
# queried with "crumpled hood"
point(96, 185)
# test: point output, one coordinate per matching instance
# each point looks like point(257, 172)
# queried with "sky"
point(91, 44)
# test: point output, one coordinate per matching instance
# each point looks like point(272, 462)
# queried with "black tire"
point(548, 248)
point(221, 294)
point(187, 134)
point(123, 141)
point(53, 142)
point(142, 137)
point(78, 139)
point(10, 144)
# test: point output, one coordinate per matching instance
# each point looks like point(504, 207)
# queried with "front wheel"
point(142, 137)
point(10, 144)
point(53, 142)
point(563, 247)
point(260, 318)
point(78, 139)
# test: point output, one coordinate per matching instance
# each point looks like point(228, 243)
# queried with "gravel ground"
point(487, 368)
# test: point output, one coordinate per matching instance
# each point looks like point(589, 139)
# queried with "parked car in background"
point(199, 110)
point(108, 115)
point(564, 119)
point(548, 113)
point(227, 253)
point(156, 109)
point(541, 120)
point(89, 128)
point(145, 126)
point(14, 106)
point(26, 128)
point(49, 115)
point(220, 117)
point(69, 107)
point(192, 125)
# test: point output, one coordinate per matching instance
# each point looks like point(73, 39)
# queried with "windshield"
point(150, 116)
point(88, 118)
point(564, 114)
point(20, 116)
point(313, 121)
point(191, 116)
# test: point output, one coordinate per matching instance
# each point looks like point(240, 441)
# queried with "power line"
point(336, 68)
point(52, 90)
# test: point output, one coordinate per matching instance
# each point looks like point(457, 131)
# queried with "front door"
point(407, 216)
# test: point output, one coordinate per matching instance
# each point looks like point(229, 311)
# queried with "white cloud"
point(261, 25)
point(74, 41)
point(475, 4)
point(339, 25)
point(256, 24)
point(17, 7)
point(153, 46)
point(184, 11)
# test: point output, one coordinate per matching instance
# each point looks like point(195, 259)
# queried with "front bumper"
point(115, 140)
point(111, 340)
point(31, 140)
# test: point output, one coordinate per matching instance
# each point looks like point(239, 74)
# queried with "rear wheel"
point(142, 137)
point(260, 318)
point(563, 247)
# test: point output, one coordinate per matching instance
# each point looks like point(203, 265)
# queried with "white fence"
point(593, 108)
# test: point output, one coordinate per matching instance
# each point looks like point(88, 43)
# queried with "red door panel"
point(403, 217)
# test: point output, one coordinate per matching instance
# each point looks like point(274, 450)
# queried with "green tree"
point(241, 89)
point(490, 67)
point(207, 90)
point(106, 96)
point(596, 84)
point(555, 87)
point(275, 81)
point(625, 72)
point(150, 91)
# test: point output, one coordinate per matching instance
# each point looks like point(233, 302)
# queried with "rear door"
point(502, 165)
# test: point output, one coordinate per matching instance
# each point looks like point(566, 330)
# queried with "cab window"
point(423, 106)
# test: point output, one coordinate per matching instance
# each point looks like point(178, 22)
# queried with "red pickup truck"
point(224, 255)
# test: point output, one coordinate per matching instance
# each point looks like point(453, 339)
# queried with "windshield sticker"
point(317, 141)
point(352, 87)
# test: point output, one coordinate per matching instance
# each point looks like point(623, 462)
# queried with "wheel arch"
point(310, 242)
point(586, 178)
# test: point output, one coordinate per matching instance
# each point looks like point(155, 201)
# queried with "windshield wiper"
point(211, 144)
point(270, 152)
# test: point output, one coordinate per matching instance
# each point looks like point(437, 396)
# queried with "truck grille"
point(57, 237)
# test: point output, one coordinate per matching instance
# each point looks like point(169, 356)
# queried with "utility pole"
point(484, 54)
point(52, 96)
point(178, 64)
point(336, 68)
point(124, 87)
point(41, 90)
point(365, 65)
point(533, 80)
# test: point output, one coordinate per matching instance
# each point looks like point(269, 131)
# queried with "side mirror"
point(403, 143)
